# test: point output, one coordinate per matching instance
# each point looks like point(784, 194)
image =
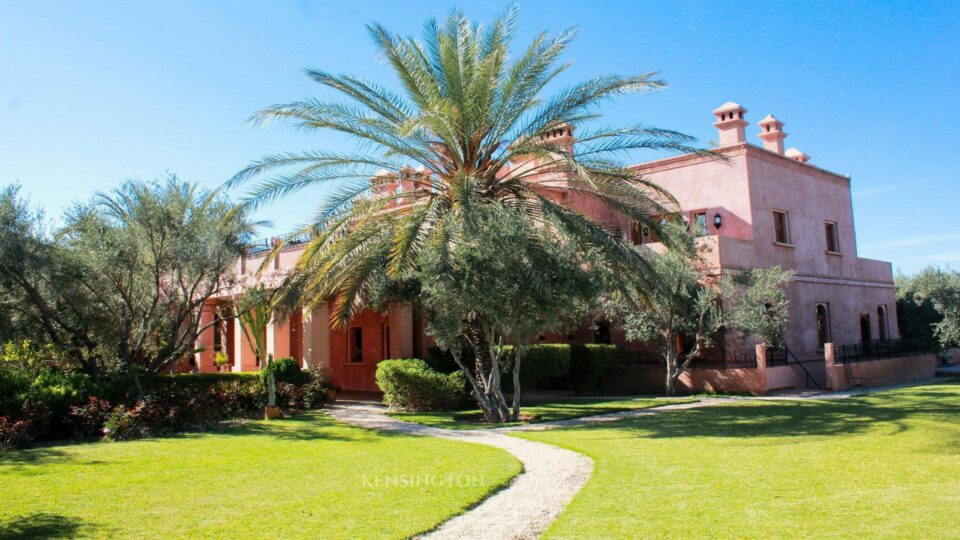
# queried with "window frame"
point(835, 237)
point(695, 224)
point(787, 237)
point(355, 353)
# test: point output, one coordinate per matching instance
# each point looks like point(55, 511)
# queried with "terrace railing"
point(259, 246)
point(878, 350)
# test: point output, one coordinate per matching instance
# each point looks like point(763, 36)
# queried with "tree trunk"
point(485, 378)
point(671, 371)
point(516, 385)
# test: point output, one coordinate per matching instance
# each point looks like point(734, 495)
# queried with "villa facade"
point(761, 206)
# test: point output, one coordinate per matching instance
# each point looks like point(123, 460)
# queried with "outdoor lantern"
point(716, 220)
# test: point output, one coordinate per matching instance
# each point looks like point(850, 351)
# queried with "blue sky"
point(92, 93)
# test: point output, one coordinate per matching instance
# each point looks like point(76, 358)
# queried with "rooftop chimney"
point(562, 136)
point(771, 131)
point(730, 123)
point(797, 155)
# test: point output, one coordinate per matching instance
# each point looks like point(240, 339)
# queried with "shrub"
point(145, 419)
point(285, 370)
point(411, 385)
point(220, 359)
point(543, 366)
point(315, 388)
point(59, 390)
point(88, 419)
point(14, 385)
point(590, 365)
point(205, 398)
point(13, 432)
point(443, 362)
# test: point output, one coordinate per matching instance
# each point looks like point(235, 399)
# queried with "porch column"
point(281, 339)
point(319, 337)
point(245, 359)
point(203, 358)
point(238, 345)
point(316, 337)
point(401, 330)
point(271, 340)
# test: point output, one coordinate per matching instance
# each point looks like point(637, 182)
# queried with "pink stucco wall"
point(882, 372)
point(745, 189)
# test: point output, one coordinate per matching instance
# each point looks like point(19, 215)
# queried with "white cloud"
point(875, 191)
point(950, 256)
point(918, 240)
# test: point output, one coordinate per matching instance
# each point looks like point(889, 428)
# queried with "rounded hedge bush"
point(410, 384)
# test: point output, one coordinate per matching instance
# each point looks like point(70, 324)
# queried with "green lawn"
point(545, 412)
point(887, 465)
point(307, 477)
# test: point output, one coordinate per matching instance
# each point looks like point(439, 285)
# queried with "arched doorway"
point(823, 326)
point(882, 322)
point(865, 336)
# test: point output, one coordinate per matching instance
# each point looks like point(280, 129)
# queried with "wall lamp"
point(716, 220)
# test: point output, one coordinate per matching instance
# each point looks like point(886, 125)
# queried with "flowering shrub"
point(146, 418)
point(38, 414)
point(88, 419)
point(56, 404)
point(13, 432)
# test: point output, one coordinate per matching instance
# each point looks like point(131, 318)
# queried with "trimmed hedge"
point(590, 365)
point(410, 384)
point(551, 366)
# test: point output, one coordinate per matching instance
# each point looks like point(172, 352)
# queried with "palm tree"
point(473, 120)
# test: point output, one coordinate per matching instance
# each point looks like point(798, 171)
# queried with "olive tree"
point(691, 302)
point(122, 283)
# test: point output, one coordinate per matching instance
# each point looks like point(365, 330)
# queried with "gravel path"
point(532, 501)
point(526, 507)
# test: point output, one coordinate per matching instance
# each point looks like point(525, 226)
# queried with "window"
point(781, 227)
point(866, 336)
point(823, 325)
point(700, 224)
point(601, 333)
point(882, 322)
point(833, 244)
point(355, 354)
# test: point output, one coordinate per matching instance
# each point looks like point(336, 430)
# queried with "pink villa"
point(761, 207)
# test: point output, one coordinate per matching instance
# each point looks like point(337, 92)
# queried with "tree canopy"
point(122, 282)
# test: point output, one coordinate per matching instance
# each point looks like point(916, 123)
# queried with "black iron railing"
point(259, 246)
point(745, 359)
point(877, 350)
point(776, 356)
point(263, 245)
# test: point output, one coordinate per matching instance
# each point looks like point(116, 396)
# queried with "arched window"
point(882, 322)
point(823, 325)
